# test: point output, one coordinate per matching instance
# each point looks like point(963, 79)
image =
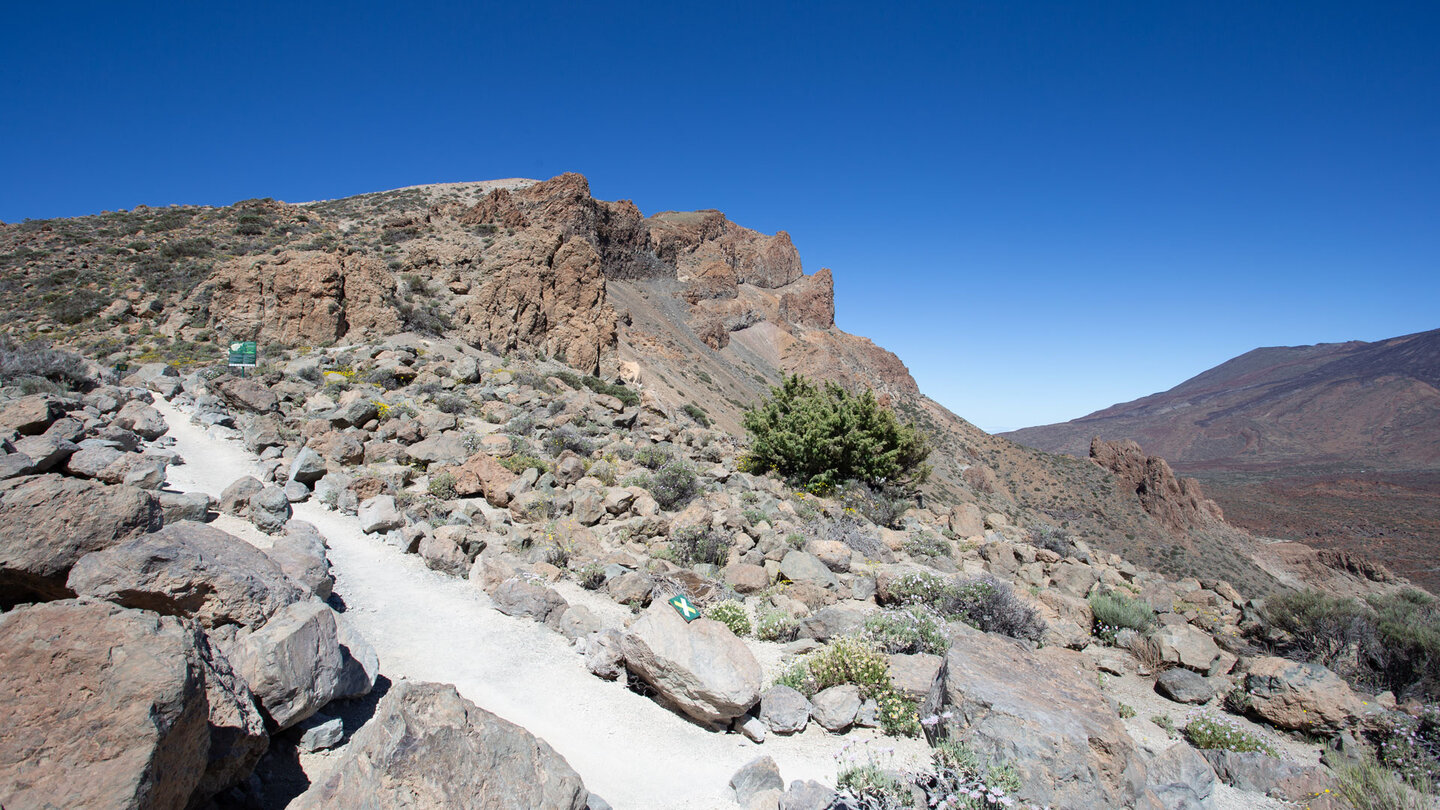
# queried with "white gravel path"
point(427, 626)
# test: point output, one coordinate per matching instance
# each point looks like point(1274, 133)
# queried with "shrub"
point(652, 457)
point(983, 602)
point(926, 544)
point(590, 576)
point(961, 780)
point(774, 624)
point(697, 545)
point(851, 532)
point(1114, 611)
point(1053, 540)
point(881, 505)
point(565, 438)
point(627, 396)
point(520, 462)
point(1368, 785)
point(1407, 632)
point(899, 715)
point(988, 604)
point(76, 305)
point(697, 413)
point(673, 485)
point(453, 404)
point(1410, 745)
point(521, 425)
point(1322, 628)
point(731, 614)
point(442, 486)
point(907, 630)
point(1210, 731)
point(36, 360)
point(847, 660)
point(820, 436)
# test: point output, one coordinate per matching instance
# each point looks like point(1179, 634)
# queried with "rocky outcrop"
point(616, 230)
point(1063, 738)
point(427, 746)
point(699, 667)
point(40, 542)
point(810, 301)
point(544, 290)
point(302, 297)
point(691, 240)
point(104, 707)
point(190, 570)
point(1177, 503)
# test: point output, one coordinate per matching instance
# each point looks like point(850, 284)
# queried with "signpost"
point(687, 611)
point(243, 354)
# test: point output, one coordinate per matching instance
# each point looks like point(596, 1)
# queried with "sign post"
point(683, 606)
point(243, 354)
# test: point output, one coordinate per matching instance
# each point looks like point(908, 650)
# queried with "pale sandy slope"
point(426, 626)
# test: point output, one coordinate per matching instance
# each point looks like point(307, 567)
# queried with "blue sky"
point(1043, 208)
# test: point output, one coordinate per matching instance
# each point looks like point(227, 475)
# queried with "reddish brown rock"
point(547, 291)
point(1177, 503)
point(104, 707)
point(48, 522)
point(302, 297)
point(811, 302)
point(482, 475)
point(695, 239)
point(30, 416)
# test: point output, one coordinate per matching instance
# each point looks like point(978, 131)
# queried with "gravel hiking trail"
point(426, 626)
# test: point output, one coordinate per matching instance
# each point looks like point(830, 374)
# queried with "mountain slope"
point(703, 312)
point(1355, 404)
point(1337, 445)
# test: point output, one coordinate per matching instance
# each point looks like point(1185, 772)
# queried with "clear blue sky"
point(1043, 208)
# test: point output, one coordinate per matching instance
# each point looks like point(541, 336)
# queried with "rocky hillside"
point(1336, 445)
point(705, 313)
point(1037, 665)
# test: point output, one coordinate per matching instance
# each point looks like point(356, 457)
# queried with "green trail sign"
point(687, 611)
point(243, 353)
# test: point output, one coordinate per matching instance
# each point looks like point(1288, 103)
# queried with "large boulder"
point(1182, 779)
point(1188, 646)
point(1184, 686)
point(359, 665)
point(141, 419)
point(1254, 772)
point(427, 746)
point(802, 567)
point(300, 553)
point(784, 710)
point(191, 570)
point(380, 514)
point(293, 664)
point(245, 393)
point(699, 667)
point(1011, 705)
point(269, 509)
point(482, 475)
point(103, 707)
point(308, 466)
point(47, 523)
point(1300, 696)
point(30, 415)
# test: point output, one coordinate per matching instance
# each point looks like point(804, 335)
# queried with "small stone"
point(757, 775)
point(320, 732)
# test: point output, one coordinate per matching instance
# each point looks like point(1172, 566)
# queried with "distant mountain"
point(1336, 445)
point(1354, 405)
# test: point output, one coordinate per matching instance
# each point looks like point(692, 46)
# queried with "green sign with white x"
point(682, 605)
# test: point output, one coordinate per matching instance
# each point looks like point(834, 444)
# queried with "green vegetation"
point(35, 362)
point(695, 545)
point(1114, 611)
point(983, 602)
point(697, 413)
point(855, 660)
point(821, 436)
point(442, 486)
point(627, 396)
point(1368, 785)
point(774, 624)
point(520, 462)
point(671, 486)
point(1212, 731)
point(731, 614)
point(1387, 642)
point(907, 630)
